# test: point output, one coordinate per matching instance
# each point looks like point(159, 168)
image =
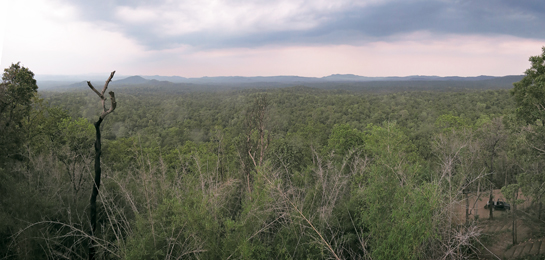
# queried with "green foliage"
point(343, 138)
point(529, 96)
point(532, 183)
point(174, 229)
point(288, 153)
point(400, 219)
point(179, 181)
point(511, 193)
point(76, 134)
point(17, 89)
point(447, 123)
point(397, 210)
point(529, 93)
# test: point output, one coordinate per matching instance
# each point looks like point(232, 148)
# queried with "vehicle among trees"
point(497, 205)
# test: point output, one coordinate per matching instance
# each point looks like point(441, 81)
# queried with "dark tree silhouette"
point(17, 89)
point(98, 151)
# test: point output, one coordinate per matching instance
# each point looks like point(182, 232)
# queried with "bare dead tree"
point(491, 203)
point(257, 137)
point(493, 140)
point(257, 121)
point(514, 215)
point(98, 152)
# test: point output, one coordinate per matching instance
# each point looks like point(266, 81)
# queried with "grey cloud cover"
point(309, 22)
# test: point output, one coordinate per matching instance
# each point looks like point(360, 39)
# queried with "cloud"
point(3, 21)
point(50, 40)
point(209, 24)
point(418, 53)
point(296, 37)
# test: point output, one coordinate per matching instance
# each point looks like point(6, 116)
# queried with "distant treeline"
point(350, 84)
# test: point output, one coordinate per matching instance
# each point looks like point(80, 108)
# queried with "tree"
point(529, 93)
point(98, 152)
point(73, 150)
point(257, 137)
point(511, 194)
point(396, 209)
point(17, 89)
point(343, 138)
point(533, 184)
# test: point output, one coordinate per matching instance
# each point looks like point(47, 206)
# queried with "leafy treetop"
point(529, 93)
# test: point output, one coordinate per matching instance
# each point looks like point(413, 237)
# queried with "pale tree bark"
point(539, 209)
point(467, 205)
point(98, 152)
point(258, 122)
point(514, 214)
point(256, 146)
point(493, 140)
point(491, 201)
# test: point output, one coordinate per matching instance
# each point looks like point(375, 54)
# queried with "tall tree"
point(98, 151)
point(511, 193)
point(529, 93)
point(17, 89)
point(257, 136)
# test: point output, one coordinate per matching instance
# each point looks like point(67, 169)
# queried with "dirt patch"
point(476, 208)
point(497, 237)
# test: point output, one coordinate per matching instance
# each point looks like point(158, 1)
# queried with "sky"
point(316, 38)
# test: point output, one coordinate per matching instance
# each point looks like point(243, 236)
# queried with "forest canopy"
point(262, 173)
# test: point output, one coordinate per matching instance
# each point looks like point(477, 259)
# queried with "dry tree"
point(98, 152)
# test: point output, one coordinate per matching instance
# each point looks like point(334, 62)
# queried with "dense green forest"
point(263, 173)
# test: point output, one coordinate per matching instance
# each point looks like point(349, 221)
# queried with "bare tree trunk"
point(513, 229)
point(256, 119)
point(514, 232)
point(539, 210)
point(98, 152)
point(467, 207)
point(478, 196)
point(491, 206)
point(96, 186)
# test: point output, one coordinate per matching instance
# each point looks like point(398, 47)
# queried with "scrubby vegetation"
point(283, 173)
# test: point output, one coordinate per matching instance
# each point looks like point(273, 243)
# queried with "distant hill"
point(422, 83)
point(335, 81)
point(346, 77)
point(48, 84)
point(81, 84)
point(131, 80)
point(226, 80)
point(234, 79)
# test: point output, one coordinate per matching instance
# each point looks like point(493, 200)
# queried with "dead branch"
point(102, 98)
point(98, 152)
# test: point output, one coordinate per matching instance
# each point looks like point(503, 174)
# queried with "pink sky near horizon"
point(51, 40)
